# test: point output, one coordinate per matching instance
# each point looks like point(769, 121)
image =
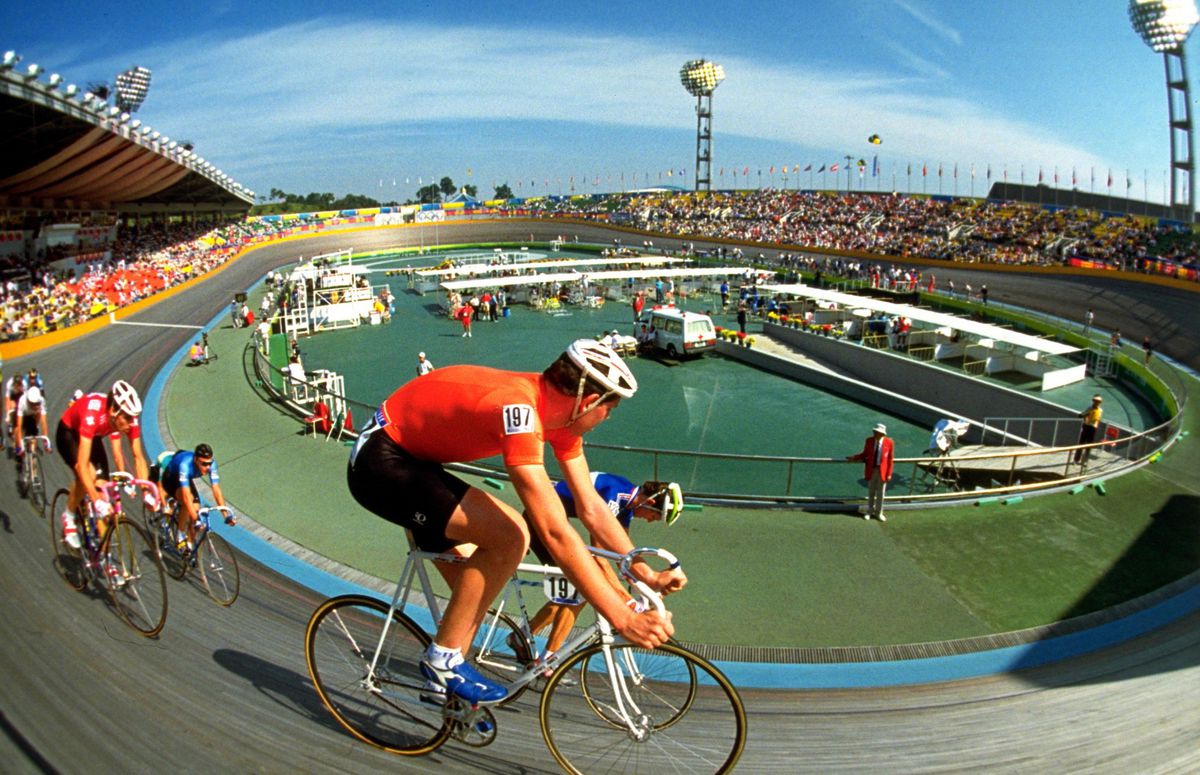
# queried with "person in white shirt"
point(423, 365)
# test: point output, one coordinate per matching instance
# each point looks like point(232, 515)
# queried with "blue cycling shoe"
point(464, 682)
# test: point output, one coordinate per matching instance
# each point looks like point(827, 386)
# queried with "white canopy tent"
point(554, 263)
point(978, 330)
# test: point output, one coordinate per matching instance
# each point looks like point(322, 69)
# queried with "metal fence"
point(1043, 461)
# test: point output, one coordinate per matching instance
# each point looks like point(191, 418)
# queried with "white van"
point(679, 333)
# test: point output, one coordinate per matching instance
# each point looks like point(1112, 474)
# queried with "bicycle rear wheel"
point(67, 561)
point(503, 651)
point(674, 713)
point(136, 583)
point(163, 530)
point(384, 707)
point(218, 569)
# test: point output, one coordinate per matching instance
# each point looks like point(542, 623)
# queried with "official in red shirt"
point(878, 455)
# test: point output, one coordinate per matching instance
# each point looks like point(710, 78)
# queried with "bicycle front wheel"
point(37, 484)
point(67, 561)
point(136, 583)
point(382, 705)
point(642, 710)
point(218, 569)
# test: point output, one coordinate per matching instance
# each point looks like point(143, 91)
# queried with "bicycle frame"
point(601, 630)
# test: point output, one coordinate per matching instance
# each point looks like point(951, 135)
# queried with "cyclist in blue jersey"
point(177, 479)
point(652, 501)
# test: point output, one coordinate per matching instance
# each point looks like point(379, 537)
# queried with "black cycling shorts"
point(415, 494)
point(68, 448)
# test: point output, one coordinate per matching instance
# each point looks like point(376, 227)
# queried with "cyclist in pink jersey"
point(466, 413)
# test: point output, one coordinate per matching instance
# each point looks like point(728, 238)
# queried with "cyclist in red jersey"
point(80, 435)
point(465, 413)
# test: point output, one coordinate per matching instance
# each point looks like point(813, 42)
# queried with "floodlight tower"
point(701, 77)
point(132, 86)
point(1164, 25)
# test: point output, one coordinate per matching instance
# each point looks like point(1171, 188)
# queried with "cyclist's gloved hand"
point(21, 451)
point(49, 448)
point(230, 519)
point(131, 489)
point(151, 500)
point(102, 507)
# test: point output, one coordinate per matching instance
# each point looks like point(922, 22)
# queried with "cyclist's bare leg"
point(564, 620)
point(544, 616)
point(501, 539)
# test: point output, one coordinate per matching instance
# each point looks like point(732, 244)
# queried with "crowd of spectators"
point(893, 224)
point(897, 225)
point(39, 295)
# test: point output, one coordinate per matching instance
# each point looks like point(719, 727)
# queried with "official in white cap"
point(878, 456)
point(423, 365)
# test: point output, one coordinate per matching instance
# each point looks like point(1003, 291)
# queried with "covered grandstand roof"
point(60, 151)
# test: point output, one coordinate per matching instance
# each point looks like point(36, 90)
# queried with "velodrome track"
point(227, 690)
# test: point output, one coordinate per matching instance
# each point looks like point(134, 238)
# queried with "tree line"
point(280, 201)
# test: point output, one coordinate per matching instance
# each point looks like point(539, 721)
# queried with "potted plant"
point(741, 338)
point(749, 341)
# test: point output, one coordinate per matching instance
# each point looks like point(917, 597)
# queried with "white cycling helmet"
point(601, 364)
point(33, 395)
point(126, 398)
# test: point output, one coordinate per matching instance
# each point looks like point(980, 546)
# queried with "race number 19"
point(560, 590)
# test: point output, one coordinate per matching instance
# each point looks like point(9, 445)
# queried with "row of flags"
point(833, 168)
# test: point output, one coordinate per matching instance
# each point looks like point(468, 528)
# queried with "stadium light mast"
point(1164, 25)
point(132, 86)
point(701, 77)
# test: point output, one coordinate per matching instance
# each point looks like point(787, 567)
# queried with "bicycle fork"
point(621, 676)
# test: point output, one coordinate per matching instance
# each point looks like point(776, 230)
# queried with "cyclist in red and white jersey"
point(465, 413)
point(80, 435)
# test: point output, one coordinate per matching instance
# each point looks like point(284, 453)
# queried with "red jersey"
point(458, 414)
point(88, 416)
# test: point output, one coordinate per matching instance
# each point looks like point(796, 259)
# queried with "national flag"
point(809, 168)
point(910, 169)
point(956, 170)
point(989, 172)
point(745, 171)
point(1039, 175)
point(939, 169)
point(972, 170)
point(875, 166)
point(924, 170)
point(1128, 182)
point(1073, 181)
point(834, 168)
point(822, 169)
point(1110, 177)
point(772, 169)
point(1056, 174)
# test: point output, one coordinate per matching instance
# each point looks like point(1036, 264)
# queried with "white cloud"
point(926, 17)
point(381, 86)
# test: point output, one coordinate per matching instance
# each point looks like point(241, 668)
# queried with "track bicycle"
point(122, 559)
point(31, 482)
point(211, 557)
point(629, 709)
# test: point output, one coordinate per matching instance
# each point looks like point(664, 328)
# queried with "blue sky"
point(308, 96)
